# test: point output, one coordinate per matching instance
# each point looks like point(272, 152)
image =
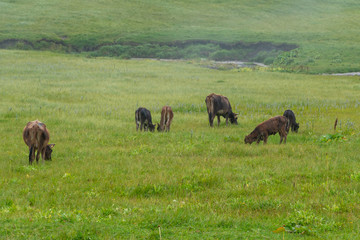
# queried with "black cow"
point(218, 105)
point(293, 124)
point(143, 117)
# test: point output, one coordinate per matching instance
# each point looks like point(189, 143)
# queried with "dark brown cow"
point(167, 116)
point(36, 136)
point(143, 118)
point(292, 120)
point(218, 105)
point(278, 124)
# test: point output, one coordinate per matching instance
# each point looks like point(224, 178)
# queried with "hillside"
point(325, 32)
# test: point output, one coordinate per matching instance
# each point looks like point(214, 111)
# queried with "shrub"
point(113, 51)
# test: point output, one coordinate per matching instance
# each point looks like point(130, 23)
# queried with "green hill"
point(326, 32)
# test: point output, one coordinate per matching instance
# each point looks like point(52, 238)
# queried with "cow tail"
point(162, 120)
point(209, 106)
point(287, 125)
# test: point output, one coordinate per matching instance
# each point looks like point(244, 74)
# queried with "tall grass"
point(108, 181)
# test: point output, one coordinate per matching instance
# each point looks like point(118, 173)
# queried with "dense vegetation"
point(107, 181)
point(326, 32)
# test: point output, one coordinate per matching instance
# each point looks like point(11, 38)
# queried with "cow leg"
point(141, 126)
point(43, 154)
point(31, 153)
point(284, 136)
point(38, 155)
point(211, 119)
point(265, 138)
point(137, 126)
point(259, 139)
point(166, 123)
point(218, 117)
point(227, 120)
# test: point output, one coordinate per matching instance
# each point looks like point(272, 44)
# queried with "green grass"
point(108, 181)
point(326, 31)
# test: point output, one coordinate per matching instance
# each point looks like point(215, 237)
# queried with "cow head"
point(295, 127)
point(159, 128)
point(48, 151)
point(250, 139)
point(233, 118)
point(151, 127)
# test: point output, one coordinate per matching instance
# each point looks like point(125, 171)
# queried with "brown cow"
point(278, 124)
point(167, 116)
point(36, 136)
point(218, 105)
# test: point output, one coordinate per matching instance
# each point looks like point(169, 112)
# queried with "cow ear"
point(52, 145)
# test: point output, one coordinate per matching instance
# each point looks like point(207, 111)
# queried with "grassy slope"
point(326, 31)
point(108, 181)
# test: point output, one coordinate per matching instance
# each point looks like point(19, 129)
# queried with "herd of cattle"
point(36, 136)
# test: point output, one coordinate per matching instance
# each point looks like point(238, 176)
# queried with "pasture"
point(326, 32)
point(107, 181)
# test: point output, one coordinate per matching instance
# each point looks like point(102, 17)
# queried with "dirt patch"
point(347, 74)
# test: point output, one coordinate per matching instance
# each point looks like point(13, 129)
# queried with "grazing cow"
point(143, 117)
point(218, 105)
point(278, 124)
point(292, 120)
point(36, 136)
point(167, 116)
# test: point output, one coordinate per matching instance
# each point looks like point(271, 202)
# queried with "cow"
point(143, 118)
point(218, 105)
point(167, 116)
point(36, 137)
point(278, 124)
point(292, 120)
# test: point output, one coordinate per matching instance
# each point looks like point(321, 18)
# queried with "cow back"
point(142, 114)
point(166, 117)
point(218, 104)
point(36, 134)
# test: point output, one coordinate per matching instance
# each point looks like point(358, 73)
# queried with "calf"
point(167, 116)
point(292, 120)
point(218, 105)
point(36, 136)
point(143, 117)
point(278, 124)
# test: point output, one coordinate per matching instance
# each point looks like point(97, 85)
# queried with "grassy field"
point(325, 31)
point(107, 181)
